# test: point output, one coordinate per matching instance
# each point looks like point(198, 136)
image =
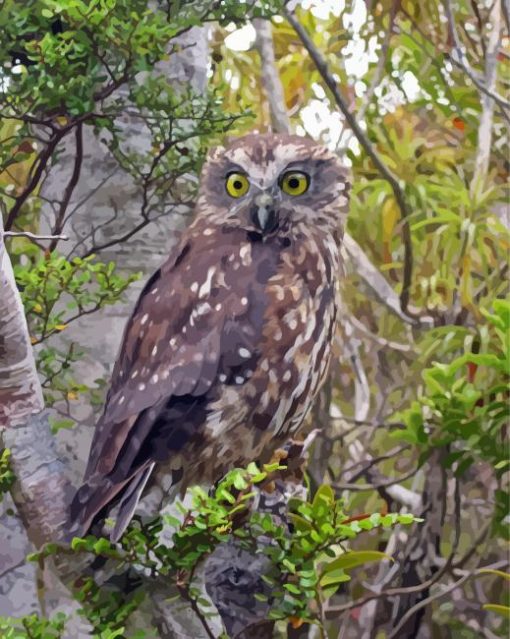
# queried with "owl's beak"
point(263, 213)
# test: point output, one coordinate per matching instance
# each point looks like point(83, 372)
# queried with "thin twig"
point(40, 162)
point(376, 486)
point(425, 602)
point(75, 176)
point(33, 236)
point(459, 59)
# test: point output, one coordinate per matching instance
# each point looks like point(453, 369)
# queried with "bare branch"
point(75, 176)
point(39, 164)
point(458, 58)
point(377, 283)
point(20, 389)
point(487, 101)
point(270, 78)
point(505, 4)
point(33, 236)
point(445, 591)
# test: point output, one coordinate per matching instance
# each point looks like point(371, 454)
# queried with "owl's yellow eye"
point(294, 182)
point(237, 184)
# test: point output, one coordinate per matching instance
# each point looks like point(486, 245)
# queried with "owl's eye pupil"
point(293, 183)
point(238, 185)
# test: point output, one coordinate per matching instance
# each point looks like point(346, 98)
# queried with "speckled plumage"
point(230, 339)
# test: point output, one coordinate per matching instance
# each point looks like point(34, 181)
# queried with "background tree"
point(105, 118)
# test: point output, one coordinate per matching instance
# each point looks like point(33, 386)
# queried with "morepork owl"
point(230, 340)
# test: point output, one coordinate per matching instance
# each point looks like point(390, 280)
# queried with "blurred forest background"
point(107, 109)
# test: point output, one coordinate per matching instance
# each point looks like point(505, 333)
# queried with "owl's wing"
point(181, 332)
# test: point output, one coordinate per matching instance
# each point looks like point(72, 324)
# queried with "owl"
point(230, 340)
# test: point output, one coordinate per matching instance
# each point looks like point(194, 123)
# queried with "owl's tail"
point(129, 501)
point(98, 496)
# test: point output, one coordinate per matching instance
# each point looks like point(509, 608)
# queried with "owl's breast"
point(248, 421)
point(274, 356)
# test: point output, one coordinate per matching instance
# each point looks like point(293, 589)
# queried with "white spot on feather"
point(141, 387)
point(244, 352)
point(144, 319)
point(205, 289)
point(245, 254)
point(203, 308)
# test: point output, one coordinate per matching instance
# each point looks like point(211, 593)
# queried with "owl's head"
point(273, 184)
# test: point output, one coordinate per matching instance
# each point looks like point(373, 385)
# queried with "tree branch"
point(486, 99)
point(34, 236)
point(458, 58)
point(445, 591)
point(20, 389)
point(270, 77)
point(75, 176)
point(40, 162)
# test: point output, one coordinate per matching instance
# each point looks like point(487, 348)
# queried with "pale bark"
point(20, 389)
point(270, 77)
point(41, 486)
point(487, 102)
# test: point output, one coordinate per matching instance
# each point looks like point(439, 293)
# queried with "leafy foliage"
point(6, 474)
point(440, 384)
point(464, 404)
point(308, 554)
point(33, 627)
point(57, 291)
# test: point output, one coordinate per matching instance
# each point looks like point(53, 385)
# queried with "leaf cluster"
point(307, 549)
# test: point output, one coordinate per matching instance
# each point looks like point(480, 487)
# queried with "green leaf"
point(354, 558)
point(499, 609)
point(497, 573)
point(292, 588)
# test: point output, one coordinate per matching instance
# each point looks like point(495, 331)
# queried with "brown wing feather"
point(181, 332)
